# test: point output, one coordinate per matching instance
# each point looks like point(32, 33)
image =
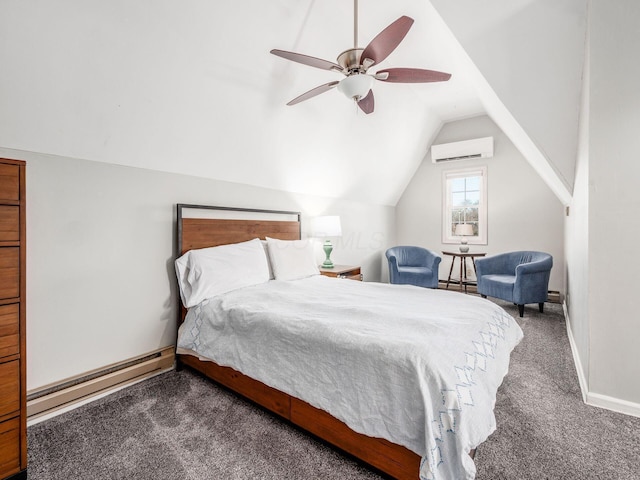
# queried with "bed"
point(409, 391)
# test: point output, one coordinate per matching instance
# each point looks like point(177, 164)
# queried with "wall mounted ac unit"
point(476, 148)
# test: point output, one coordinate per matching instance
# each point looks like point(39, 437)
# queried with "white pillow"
point(207, 272)
point(292, 259)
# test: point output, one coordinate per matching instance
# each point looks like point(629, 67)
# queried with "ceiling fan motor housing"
point(350, 61)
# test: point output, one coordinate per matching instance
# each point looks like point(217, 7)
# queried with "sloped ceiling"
point(190, 87)
point(530, 54)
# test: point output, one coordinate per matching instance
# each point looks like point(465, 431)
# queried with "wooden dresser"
point(13, 412)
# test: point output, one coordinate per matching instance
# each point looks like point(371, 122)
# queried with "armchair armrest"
point(432, 259)
point(532, 281)
point(543, 265)
point(393, 267)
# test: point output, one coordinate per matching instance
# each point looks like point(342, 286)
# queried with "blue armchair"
point(518, 277)
point(414, 266)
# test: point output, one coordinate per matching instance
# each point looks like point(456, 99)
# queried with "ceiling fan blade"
point(386, 41)
point(366, 104)
point(307, 60)
point(411, 75)
point(313, 92)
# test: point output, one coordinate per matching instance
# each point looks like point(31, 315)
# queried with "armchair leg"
point(521, 310)
point(541, 307)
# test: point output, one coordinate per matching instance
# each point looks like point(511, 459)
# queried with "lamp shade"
point(327, 226)
point(464, 230)
point(356, 86)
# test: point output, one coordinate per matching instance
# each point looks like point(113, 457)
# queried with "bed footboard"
point(392, 459)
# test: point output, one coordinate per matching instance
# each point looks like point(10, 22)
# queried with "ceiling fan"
point(355, 63)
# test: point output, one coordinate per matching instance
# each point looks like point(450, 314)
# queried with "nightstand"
point(342, 271)
point(463, 267)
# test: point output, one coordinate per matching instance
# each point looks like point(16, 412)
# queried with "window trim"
point(447, 237)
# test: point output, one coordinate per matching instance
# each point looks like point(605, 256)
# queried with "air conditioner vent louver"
point(467, 149)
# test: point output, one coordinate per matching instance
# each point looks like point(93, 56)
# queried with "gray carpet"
point(181, 426)
point(545, 431)
point(178, 426)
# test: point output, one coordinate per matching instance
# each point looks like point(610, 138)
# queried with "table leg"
point(453, 260)
point(464, 259)
point(461, 262)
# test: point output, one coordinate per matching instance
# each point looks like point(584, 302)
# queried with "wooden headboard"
point(201, 226)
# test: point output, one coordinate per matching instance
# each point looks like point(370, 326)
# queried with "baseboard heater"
point(58, 395)
point(554, 295)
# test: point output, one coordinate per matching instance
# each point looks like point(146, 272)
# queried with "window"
point(465, 201)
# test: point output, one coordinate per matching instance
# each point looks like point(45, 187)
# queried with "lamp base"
point(328, 248)
point(464, 248)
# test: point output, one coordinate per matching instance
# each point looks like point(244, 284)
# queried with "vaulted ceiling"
point(190, 87)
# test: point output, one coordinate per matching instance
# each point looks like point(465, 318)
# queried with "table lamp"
point(327, 226)
point(464, 230)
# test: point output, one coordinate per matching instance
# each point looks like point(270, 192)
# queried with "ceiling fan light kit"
point(355, 62)
point(356, 86)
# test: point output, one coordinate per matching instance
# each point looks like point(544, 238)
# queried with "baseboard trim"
point(582, 379)
point(597, 399)
point(614, 404)
point(76, 390)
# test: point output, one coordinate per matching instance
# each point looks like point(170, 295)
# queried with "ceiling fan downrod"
point(355, 23)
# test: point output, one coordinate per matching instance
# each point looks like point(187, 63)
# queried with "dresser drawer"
point(9, 447)
point(9, 272)
point(9, 182)
point(9, 223)
point(9, 329)
point(9, 387)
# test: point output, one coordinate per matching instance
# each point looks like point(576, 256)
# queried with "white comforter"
point(415, 366)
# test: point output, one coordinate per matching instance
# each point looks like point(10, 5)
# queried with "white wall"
point(523, 213)
point(614, 200)
point(100, 246)
point(577, 244)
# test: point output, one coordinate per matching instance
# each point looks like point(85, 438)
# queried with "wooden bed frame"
point(391, 459)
